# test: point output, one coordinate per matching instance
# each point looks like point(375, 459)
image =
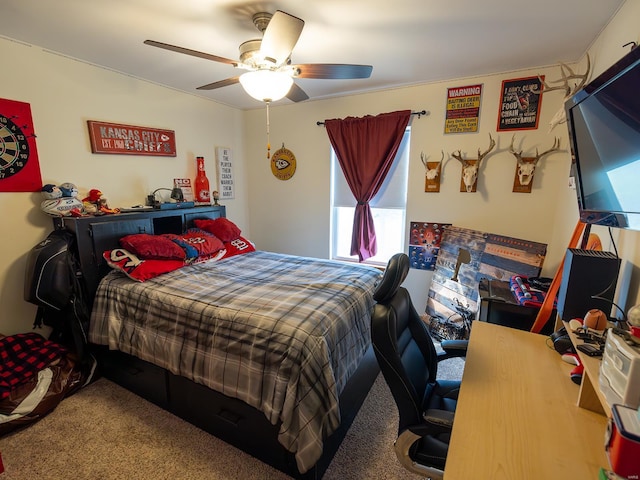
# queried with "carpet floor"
point(105, 432)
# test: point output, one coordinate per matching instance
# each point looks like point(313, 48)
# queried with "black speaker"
point(587, 273)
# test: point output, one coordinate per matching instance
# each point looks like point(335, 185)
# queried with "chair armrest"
point(453, 348)
point(435, 422)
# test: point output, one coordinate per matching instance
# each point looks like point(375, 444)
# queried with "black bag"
point(48, 278)
point(53, 282)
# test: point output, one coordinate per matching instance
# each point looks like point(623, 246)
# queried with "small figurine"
point(215, 196)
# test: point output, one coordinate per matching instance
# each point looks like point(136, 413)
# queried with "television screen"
point(604, 130)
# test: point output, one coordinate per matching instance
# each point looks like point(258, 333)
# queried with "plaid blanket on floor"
point(22, 356)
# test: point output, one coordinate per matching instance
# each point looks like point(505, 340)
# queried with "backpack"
point(53, 282)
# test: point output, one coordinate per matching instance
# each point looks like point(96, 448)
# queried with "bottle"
point(202, 183)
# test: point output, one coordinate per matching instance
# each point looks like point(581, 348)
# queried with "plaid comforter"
point(282, 333)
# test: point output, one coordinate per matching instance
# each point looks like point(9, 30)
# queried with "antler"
point(518, 155)
point(568, 89)
point(423, 158)
point(492, 143)
point(458, 156)
point(554, 147)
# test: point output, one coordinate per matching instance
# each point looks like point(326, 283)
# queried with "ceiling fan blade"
point(220, 83)
point(193, 53)
point(336, 71)
point(280, 36)
point(296, 94)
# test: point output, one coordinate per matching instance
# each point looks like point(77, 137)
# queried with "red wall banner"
point(122, 139)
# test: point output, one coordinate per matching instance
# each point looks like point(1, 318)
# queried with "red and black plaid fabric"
point(22, 356)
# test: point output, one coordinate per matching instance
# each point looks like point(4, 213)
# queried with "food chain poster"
point(463, 109)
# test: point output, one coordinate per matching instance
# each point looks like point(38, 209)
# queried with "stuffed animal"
point(50, 191)
point(96, 203)
point(68, 189)
point(57, 204)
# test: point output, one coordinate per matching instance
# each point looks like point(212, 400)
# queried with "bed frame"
point(227, 418)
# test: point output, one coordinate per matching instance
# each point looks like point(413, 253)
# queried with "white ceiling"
point(407, 42)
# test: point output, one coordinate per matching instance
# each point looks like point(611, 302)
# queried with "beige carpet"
point(106, 432)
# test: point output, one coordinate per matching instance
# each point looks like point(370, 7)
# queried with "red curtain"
point(365, 148)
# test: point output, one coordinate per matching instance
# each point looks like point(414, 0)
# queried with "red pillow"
point(136, 268)
point(222, 228)
point(155, 247)
point(237, 247)
point(196, 243)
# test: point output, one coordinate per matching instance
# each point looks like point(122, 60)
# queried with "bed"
point(267, 351)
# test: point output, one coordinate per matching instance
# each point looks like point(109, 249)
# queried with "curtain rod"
point(419, 114)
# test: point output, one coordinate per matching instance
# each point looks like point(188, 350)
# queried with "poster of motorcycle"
point(520, 103)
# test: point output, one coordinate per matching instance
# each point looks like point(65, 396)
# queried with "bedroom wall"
point(293, 216)
point(64, 94)
point(289, 216)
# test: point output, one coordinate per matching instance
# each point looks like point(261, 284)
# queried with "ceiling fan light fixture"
point(266, 85)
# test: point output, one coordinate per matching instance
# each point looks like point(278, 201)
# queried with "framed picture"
point(520, 103)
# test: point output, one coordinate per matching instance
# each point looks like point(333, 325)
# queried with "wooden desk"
point(517, 416)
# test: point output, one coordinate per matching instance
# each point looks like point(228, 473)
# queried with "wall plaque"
point(122, 139)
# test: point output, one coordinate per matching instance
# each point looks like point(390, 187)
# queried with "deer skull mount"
point(567, 75)
point(469, 180)
point(431, 173)
point(526, 166)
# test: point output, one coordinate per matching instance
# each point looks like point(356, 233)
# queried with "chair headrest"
point(395, 273)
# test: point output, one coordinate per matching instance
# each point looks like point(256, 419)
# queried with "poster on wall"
point(19, 164)
point(424, 244)
point(226, 186)
point(463, 109)
point(120, 139)
point(520, 103)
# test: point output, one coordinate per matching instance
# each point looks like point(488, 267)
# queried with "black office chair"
point(409, 363)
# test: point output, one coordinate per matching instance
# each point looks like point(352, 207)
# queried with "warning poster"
point(463, 109)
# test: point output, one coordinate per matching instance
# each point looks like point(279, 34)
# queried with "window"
point(387, 208)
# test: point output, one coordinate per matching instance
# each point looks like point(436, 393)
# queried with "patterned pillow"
point(138, 269)
point(222, 227)
point(196, 243)
point(152, 247)
point(238, 246)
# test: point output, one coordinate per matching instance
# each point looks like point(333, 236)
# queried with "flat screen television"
point(604, 132)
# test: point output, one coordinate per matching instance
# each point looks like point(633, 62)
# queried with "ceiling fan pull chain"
point(268, 140)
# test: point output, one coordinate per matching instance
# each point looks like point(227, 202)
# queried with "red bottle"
point(203, 193)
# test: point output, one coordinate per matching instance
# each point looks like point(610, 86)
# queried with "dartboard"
point(14, 149)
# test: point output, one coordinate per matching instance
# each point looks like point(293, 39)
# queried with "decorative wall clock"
point(19, 166)
point(283, 163)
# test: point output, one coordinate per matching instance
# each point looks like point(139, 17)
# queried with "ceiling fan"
point(270, 74)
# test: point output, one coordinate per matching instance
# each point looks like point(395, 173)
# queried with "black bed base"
point(230, 419)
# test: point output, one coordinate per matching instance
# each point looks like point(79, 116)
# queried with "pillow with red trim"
point(138, 269)
point(196, 243)
point(238, 246)
point(154, 247)
point(222, 227)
